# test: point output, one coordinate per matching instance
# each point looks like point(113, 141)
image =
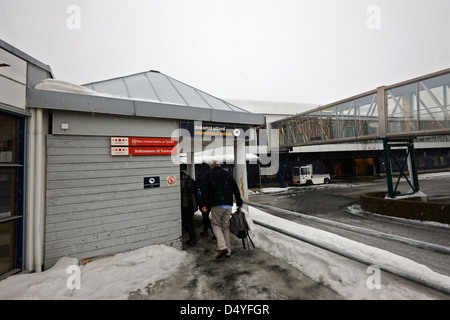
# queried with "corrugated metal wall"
point(97, 204)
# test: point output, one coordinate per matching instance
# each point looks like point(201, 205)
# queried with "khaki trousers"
point(220, 222)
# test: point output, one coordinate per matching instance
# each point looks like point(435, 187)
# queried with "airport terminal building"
point(92, 170)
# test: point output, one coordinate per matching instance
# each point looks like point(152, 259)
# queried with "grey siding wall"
point(97, 205)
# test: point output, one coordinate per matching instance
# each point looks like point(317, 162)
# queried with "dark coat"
point(189, 194)
point(220, 187)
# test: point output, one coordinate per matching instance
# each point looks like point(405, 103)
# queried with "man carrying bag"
point(220, 188)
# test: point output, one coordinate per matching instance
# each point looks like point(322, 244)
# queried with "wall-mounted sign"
point(148, 146)
point(143, 151)
point(151, 182)
point(146, 141)
point(209, 129)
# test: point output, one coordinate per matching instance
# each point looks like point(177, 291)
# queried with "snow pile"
point(349, 278)
point(116, 276)
point(106, 278)
point(63, 86)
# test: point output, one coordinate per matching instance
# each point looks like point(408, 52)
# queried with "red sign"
point(152, 142)
point(143, 142)
point(152, 151)
point(143, 151)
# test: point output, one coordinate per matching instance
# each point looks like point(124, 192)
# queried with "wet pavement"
point(246, 275)
point(257, 275)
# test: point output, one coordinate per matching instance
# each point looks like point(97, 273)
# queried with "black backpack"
point(239, 227)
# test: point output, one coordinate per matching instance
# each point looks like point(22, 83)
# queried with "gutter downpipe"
point(38, 210)
point(30, 183)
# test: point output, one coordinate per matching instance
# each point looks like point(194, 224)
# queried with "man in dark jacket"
point(220, 188)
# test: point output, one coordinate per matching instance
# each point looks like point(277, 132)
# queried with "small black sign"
point(151, 182)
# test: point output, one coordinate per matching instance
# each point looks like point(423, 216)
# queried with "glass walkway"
point(395, 114)
point(413, 108)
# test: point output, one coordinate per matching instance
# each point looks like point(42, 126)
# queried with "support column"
point(412, 167)
point(190, 163)
point(387, 164)
point(382, 112)
point(240, 166)
point(409, 161)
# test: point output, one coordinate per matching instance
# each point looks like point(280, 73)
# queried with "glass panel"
point(367, 115)
point(164, 89)
point(402, 108)
point(189, 94)
point(214, 102)
point(345, 114)
point(139, 87)
point(7, 246)
point(434, 105)
point(115, 87)
point(8, 192)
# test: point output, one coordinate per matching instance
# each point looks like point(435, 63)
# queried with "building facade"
point(94, 170)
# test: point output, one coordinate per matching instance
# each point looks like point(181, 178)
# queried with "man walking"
point(220, 187)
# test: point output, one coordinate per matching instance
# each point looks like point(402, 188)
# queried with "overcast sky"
point(302, 51)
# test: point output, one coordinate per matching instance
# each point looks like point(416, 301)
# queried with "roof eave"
point(57, 100)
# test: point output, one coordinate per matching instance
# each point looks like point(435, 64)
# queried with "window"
point(9, 128)
point(436, 161)
point(421, 162)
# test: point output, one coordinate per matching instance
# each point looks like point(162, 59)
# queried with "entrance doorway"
point(11, 192)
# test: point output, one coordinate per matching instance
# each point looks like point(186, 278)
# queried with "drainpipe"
point(38, 201)
point(30, 191)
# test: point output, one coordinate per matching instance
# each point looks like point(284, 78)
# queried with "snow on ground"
point(350, 279)
point(106, 278)
point(114, 277)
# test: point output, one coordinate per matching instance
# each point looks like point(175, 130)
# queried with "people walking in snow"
point(220, 187)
